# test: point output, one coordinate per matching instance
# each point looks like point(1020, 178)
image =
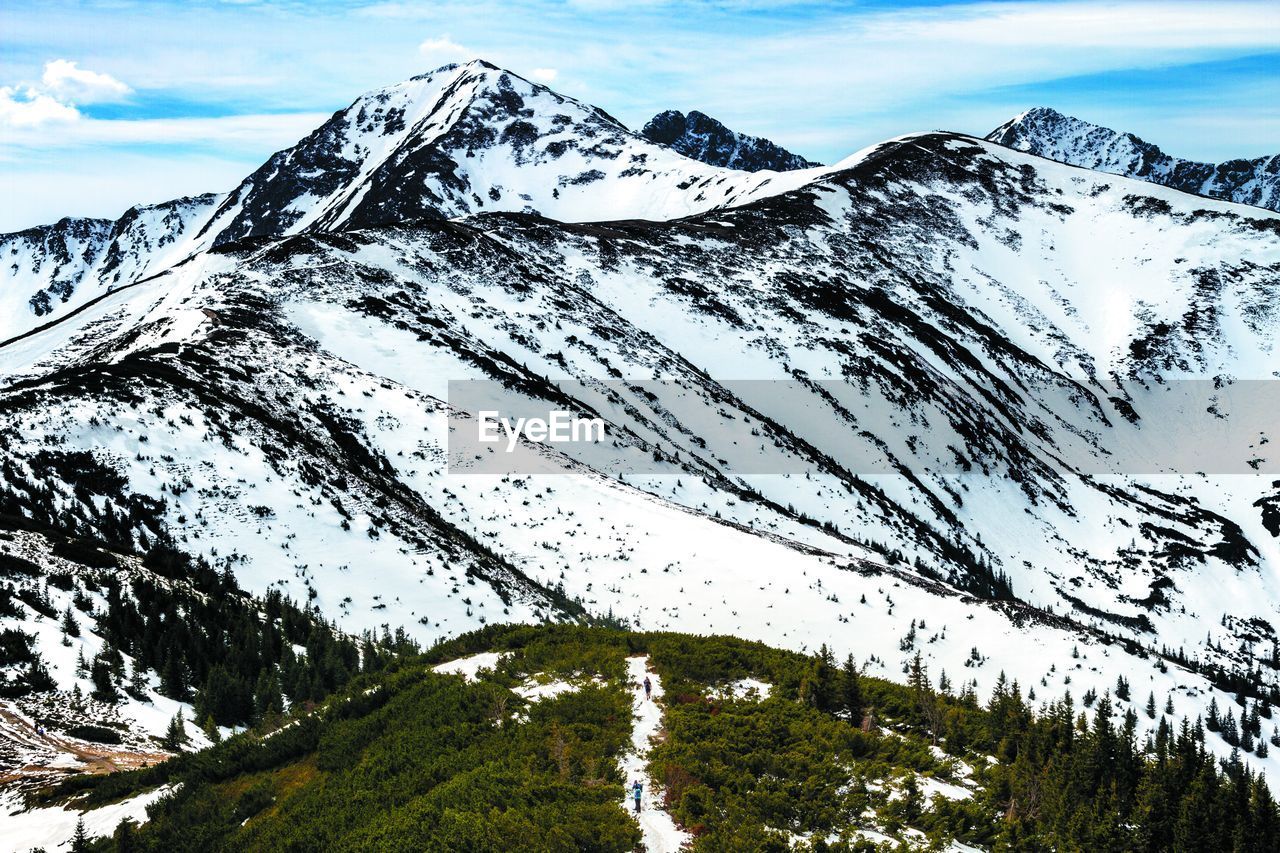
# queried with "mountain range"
point(976, 388)
point(1048, 133)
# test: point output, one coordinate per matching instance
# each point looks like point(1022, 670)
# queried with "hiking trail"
point(660, 833)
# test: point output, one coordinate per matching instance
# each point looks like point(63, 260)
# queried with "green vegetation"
point(407, 759)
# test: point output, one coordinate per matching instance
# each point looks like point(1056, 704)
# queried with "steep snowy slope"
point(1049, 133)
point(701, 137)
point(49, 271)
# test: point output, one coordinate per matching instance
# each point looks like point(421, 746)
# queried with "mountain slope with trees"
point(827, 759)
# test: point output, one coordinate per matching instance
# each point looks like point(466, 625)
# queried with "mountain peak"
point(1046, 132)
point(474, 138)
point(474, 65)
point(701, 137)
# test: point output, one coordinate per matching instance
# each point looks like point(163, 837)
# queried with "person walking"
point(648, 688)
point(637, 790)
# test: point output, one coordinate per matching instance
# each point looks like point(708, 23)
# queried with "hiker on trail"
point(636, 790)
point(648, 687)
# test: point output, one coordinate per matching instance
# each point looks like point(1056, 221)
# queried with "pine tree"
point(173, 678)
point(1151, 705)
point(823, 690)
point(138, 681)
point(70, 626)
point(104, 687)
point(1230, 733)
point(80, 841)
point(851, 691)
point(918, 675)
point(267, 700)
point(175, 737)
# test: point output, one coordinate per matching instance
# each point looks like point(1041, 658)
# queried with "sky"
point(113, 103)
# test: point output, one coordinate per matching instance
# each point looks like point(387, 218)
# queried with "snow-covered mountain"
point(958, 341)
point(1048, 133)
point(701, 137)
point(461, 140)
point(469, 139)
point(51, 270)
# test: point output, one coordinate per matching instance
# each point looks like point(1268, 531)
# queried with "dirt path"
point(96, 759)
point(661, 835)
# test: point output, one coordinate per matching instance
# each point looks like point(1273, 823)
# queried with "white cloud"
point(445, 50)
point(66, 81)
point(30, 109)
point(53, 100)
point(544, 75)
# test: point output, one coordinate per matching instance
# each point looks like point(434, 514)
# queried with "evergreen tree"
point(138, 681)
point(267, 700)
point(173, 678)
point(175, 737)
point(70, 626)
point(80, 841)
point(210, 729)
point(104, 687)
point(851, 691)
point(823, 690)
point(123, 840)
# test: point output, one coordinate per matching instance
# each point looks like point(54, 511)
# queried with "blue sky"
point(107, 104)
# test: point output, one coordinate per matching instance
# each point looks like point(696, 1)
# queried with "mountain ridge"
point(703, 138)
point(453, 142)
point(1048, 133)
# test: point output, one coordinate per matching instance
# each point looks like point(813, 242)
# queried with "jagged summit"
point(468, 139)
point(1045, 132)
point(702, 137)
